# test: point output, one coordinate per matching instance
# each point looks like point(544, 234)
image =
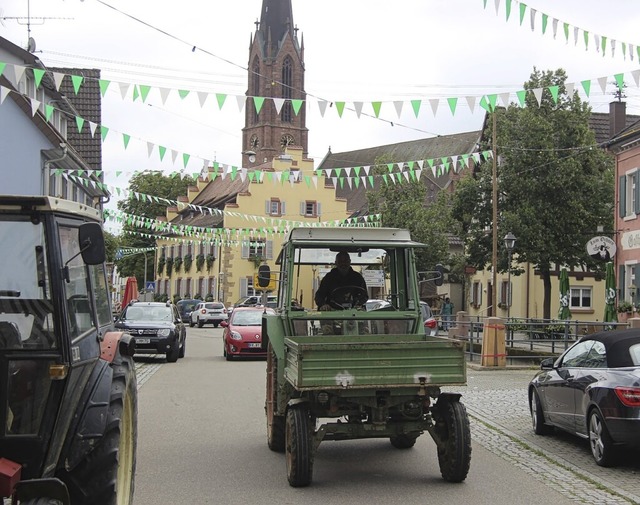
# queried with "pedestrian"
point(447, 314)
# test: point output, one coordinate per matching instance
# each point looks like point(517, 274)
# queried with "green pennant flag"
point(340, 108)
point(48, 111)
point(270, 176)
point(144, 91)
point(296, 104)
point(252, 175)
point(554, 93)
point(162, 151)
point(545, 21)
point(485, 3)
point(453, 103)
point(586, 85)
point(522, 94)
point(493, 100)
point(376, 108)
point(338, 171)
point(341, 180)
point(126, 138)
point(135, 92)
point(212, 175)
point(508, 7)
point(484, 104)
point(258, 101)
point(357, 171)
point(307, 180)
point(430, 162)
point(2, 66)
point(416, 106)
point(104, 85)
point(390, 167)
point(619, 81)
point(185, 159)
point(585, 33)
point(77, 82)
point(37, 75)
point(183, 93)
point(565, 27)
point(118, 173)
point(79, 123)
point(603, 45)
point(370, 180)
point(103, 132)
point(234, 172)
point(624, 50)
point(221, 97)
point(523, 9)
point(356, 181)
point(58, 172)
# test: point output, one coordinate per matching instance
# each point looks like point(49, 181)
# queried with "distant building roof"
point(599, 122)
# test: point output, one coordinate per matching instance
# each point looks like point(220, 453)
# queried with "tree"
point(555, 185)
point(152, 184)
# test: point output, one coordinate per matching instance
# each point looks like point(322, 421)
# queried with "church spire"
point(276, 18)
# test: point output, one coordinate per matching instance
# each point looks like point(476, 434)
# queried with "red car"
point(243, 332)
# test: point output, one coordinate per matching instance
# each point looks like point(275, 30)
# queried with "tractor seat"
point(10, 336)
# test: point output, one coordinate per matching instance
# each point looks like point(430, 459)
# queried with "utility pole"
point(494, 256)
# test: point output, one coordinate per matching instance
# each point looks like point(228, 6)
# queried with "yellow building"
point(236, 219)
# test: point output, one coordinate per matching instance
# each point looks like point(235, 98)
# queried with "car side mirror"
point(547, 364)
point(224, 324)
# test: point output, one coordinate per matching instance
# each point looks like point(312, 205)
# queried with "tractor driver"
point(342, 283)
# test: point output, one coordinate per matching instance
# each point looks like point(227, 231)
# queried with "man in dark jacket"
point(342, 276)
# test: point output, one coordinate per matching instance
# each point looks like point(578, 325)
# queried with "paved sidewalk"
point(496, 400)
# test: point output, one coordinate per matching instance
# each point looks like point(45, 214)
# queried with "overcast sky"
point(355, 51)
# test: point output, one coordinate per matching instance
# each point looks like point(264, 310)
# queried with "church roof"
point(276, 19)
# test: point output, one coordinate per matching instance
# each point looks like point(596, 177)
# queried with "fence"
point(528, 341)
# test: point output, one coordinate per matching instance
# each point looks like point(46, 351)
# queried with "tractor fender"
point(449, 397)
point(114, 342)
point(297, 401)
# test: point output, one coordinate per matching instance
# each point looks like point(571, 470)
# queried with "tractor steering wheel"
point(348, 297)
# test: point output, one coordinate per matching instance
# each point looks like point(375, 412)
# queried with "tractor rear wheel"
point(299, 446)
point(452, 426)
point(106, 475)
point(275, 423)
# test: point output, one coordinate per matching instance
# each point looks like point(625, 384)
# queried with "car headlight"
point(235, 335)
point(165, 332)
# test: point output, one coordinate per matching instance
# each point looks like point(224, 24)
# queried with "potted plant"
point(209, 297)
point(169, 265)
point(177, 263)
point(161, 263)
point(625, 307)
point(187, 261)
point(210, 259)
point(199, 262)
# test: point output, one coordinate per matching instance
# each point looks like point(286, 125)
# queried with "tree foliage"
point(154, 184)
point(555, 185)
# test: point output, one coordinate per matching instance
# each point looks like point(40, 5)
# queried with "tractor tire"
point(275, 423)
point(452, 426)
point(403, 441)
point(40, 501)
point(299, 446)
point(106, 475)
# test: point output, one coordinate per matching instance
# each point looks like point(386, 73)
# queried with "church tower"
point(276, 71)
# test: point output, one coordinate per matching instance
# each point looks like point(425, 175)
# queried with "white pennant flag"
point(504, 98)
point(164, 94)
point(322, 105)
point(174, 155)
point(596, 39)
point(570, 87)
point(635, 74)
point(18, 72)
point(358, 107)
point(497, 2)
point(554, 24)
point(398, 105)
point(4, 93)
point(613, 49)
point(367, 169)
point(149, 149)
point(471, 102)
point(241, 99)
point(575, 35)
point(350, 182)
point(202, 97)
point(278, 102)
point(34, 106)
point(57, 80)
point(418, 174)
point(532, 17)
point(335, 182)
point(603, 84)
point(538, 94)
point(314, 179)
point(434, 104)
point(92, 128)
point(124, 89)
point(631, 48)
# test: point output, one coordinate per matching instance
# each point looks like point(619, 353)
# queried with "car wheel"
point(602, 448)
point(403, 441)
point(215, 325)
point(174, 352)
point(183, 349)
point(191, 324)
point(275, 423)
point(200, 323)
point(452, 427)
point(537, 416)
point(299, 446)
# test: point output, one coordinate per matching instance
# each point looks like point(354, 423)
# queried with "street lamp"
point(509, 243)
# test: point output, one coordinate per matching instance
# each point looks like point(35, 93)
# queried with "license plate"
point(254, 345)
point(142, 340)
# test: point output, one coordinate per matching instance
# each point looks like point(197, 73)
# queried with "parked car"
point(253, 300)
point(429, 320)
point(208, 312)
point(242, 334)
point(185, 307)
point(157, 328)
point(592, 390)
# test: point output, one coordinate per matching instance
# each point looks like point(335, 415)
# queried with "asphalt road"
point(202, 439)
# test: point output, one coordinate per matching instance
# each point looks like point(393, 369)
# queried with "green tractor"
point(68, 394)
point(358, 370)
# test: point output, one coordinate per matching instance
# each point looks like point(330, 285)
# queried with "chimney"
point(617, 117)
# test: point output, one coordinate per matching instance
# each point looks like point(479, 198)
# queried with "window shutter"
point(303, 208)
point(282, 208)
point(269, 249)
point(636, 204)
point(245, 252)
point(319, 209)
point(267, 207)
point(622, 196)
point(244, 283)
point(621, 290)
point(636, 275)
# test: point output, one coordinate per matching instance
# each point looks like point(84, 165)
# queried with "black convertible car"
point(593, 391)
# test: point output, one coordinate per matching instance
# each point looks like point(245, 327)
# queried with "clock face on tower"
point(254, 143)
point(286, 140)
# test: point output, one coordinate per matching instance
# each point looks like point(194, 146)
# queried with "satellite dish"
point(31, 45)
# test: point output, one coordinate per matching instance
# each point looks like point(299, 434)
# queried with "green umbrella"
point(564, 312)
point(610, 314)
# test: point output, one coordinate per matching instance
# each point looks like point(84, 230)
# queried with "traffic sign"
point(151, 286)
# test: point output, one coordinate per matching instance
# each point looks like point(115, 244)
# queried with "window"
point(310, 208)
point(580, 298)
point(246, 286)
point(201, 290)
point(628, 279)
point(188, 290)
point(101, 294)
point(178, 287)
point(577, 355)
point(506, 294)
point(476, 294)
point(257, 248)
point(287, 80)
point(275, 207)
point(629, 194)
